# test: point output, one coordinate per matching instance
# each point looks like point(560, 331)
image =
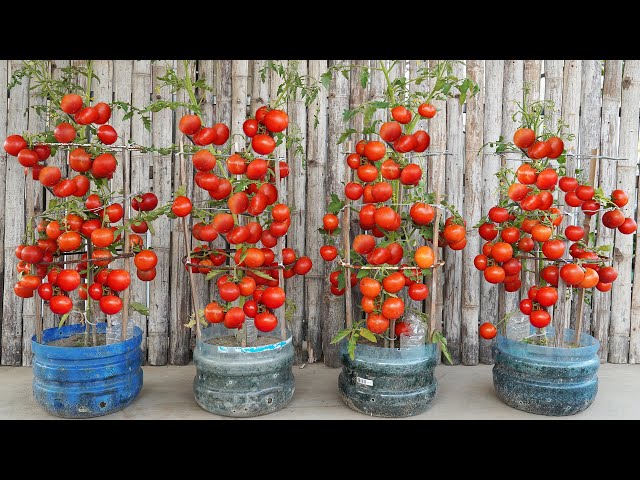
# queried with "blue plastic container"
point(388, 382)
point(82, 382)
point(547, 380)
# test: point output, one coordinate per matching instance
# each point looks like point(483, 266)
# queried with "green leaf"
point(140, 308)
point(325, 79)
point(379, 104)
point(346, 134)
point(335, 205)
point(368, 334)
point(351, 347)
point(213, 273)
point(63, 319)
point(341, 281)
point(364, 77)
point(349, 114)
point(262, 275)
point(340, 335)
point(437, 337)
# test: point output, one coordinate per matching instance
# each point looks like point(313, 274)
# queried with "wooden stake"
point(31, 208)
point(434, 272)
point(346, 242)
point(127, 261)
point(586, 225)
point(183, 177)
point(279, 246)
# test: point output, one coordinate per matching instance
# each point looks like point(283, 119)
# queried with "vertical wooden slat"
point(4, 77)
point(14, 225)
point(33, 202)
point(159, 302)
point(315, 191)
point(590, 108)
point(296, 200)
point(259, 89)
point(625, 323)
point(494, 76)
point(531, 77)
point(436, 182)
point(512, 91)
point(472, 213)
point(59, 160)
point(332, 310)
point(611, 92)
point(454, 185)
point(139, 183)
point(570, 115)
point(180, 298)
point(532, 71)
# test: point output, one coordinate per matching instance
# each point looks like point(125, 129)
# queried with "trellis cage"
point(345, 263)
point(126, 255)
point(279, 246)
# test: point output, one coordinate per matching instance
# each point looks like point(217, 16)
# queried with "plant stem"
point(189, 87)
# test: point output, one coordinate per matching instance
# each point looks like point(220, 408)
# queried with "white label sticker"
point(364, 381)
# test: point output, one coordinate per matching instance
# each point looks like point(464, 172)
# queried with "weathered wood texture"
point(600, 103)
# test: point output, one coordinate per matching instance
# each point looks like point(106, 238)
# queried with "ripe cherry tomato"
point(488, 331)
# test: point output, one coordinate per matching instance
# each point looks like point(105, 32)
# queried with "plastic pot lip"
point(589, 345)
point(369, 352)
point(84, 352)
point(218, 332)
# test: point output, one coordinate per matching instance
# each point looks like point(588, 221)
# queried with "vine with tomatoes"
point(387, 256)
point(526, 223)
point(87, 216)
point(243, 179)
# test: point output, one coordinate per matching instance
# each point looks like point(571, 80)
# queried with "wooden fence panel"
point(590, 99)
point(621, 324)
point(611, 92)
point(494, 80)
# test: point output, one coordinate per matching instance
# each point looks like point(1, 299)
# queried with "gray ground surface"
point(463, 393)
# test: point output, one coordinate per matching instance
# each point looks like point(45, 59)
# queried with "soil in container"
point(78, 340)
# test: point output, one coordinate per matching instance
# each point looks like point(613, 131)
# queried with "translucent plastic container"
point(547, 380)
point(388, 382)
point(242, 381)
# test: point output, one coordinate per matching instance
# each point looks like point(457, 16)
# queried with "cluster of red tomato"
point(378, 166)
point(256, 282)
point(95, 223)
point(80, 160)
point(533, 220)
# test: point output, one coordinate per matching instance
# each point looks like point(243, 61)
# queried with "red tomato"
point(547, 296)
point(71, 103)
point(65, 133)
point(405, 143)
point(60, 304)
point(547, 179)
point(189, 124)
point(302, 266)
point(145, 260)
point(517, 191)
point(418, 291)
point(328, 252)
point(110, 304)
point(613, 218)
point(375, 150)
point(498, 214)
point(263, 144)
point(572, 274)
point(608, 274)
point(266, 321)
point(540, 318)
point(86, 116)
point(427, 110)
point(550, 274)
point(540, 149)
point(526, 174)
point(568, 184)
point(104, 166)
point(273, 297)
point(620, 198)
point(590, 207)
point(488, 231)
point(353, 191)
point(423, 140)
point(390, 131)
point(234, 318)
point(557, 147)
point(257, 169)
point(401, 115)
point(377, 323)
point(250, 127)
point(393, 308)
point(276, 121)
point(526, 306)
point(494, 274)
point(488, 331)
point(628, 227)
point(524, 137)
point(501, 252)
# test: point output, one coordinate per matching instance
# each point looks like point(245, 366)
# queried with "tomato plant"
point(387, 193)
point(530, 204)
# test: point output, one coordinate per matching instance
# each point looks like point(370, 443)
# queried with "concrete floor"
point(463, 393)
